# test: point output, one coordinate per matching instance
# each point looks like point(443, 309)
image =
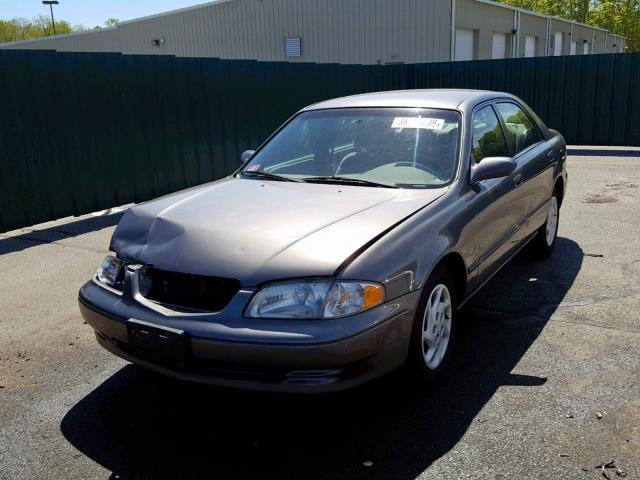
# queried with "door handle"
point(517, 180)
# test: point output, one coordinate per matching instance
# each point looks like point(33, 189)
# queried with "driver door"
point(500, 208)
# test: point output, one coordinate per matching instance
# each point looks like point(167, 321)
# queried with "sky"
point(91, 12)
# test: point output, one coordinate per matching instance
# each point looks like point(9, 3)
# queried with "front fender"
point(403, 259)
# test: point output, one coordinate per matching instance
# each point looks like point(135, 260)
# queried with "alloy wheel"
point(552, 221)
point(436, 326)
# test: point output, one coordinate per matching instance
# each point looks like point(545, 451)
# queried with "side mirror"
point(246, 156)
point(492, 167)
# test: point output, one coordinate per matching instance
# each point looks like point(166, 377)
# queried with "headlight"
point(109, 271)
point(347, 298)
point(309, 299)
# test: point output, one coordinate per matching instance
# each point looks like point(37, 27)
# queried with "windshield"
point(401, 147)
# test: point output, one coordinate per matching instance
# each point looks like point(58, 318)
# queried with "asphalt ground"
point(542, 348)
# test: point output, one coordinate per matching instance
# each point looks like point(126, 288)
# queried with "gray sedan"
point(340, 250)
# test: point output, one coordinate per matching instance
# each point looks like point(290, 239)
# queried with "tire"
point(427, 363)
point(545, 239)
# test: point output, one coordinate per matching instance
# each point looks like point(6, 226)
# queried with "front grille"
point(188, 291)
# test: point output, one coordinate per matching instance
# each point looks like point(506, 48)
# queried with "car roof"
point(456, 99)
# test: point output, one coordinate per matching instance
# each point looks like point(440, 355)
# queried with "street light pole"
point(51, 3)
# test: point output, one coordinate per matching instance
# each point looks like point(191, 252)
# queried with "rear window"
point(520, 131)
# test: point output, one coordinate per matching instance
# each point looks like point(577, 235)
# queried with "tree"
point(110, 22)
point(619, 16)
point(40, 26)
point(572, 9)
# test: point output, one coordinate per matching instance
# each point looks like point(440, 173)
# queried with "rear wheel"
point(545, 239)
point(434, 328)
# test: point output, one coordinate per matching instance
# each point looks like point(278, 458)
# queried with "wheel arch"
point(559, 186)
point(455, 265)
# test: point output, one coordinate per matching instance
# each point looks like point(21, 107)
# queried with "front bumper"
point(229, 350)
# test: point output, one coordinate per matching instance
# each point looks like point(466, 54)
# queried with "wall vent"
point(293, 46)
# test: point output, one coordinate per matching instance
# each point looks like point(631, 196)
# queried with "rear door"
point(498, 203)
point(535, 160)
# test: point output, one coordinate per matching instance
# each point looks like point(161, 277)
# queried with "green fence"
point(81, 132)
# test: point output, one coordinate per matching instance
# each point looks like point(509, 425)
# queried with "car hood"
point(256, 231)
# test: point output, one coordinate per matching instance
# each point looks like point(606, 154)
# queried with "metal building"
point(343, 31)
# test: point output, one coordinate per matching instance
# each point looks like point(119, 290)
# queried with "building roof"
point(428, 98)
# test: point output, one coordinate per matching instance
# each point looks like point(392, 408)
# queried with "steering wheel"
point(421, 166)
point(349, 158)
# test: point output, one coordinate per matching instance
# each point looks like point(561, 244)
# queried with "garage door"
point(572, 48)
point(499, 45)
point(557, 44)
point(464, 44)
point(529, 46)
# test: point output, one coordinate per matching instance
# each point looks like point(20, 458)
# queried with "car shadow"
point(74, 228)
point(140, 425)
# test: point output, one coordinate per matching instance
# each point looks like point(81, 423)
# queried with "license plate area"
point(162, 345)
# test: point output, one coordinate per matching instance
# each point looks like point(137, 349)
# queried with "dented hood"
point(256, 231)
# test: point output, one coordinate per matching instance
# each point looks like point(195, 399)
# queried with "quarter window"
point(488, 137)
point(520, 131)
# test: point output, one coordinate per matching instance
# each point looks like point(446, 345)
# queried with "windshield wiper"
point(267, 176)
point(349, 181)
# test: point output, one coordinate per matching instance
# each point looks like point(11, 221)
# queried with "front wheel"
point(545, 239)
point(434, 328)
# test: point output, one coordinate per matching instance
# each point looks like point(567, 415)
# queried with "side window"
point(488, 137)
point(521, 133)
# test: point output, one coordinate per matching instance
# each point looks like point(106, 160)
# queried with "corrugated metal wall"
point(103, 40)
point(332, 31)
point(488, 19)
point(555, 26)
point(616, 44)
point(535, 26)
point(598, 41)
point(581, 35)
point(83, 132)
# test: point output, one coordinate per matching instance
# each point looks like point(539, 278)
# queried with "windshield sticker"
point(415, 122)
point(254, 168)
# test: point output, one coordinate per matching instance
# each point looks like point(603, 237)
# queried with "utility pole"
point(51, 3)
